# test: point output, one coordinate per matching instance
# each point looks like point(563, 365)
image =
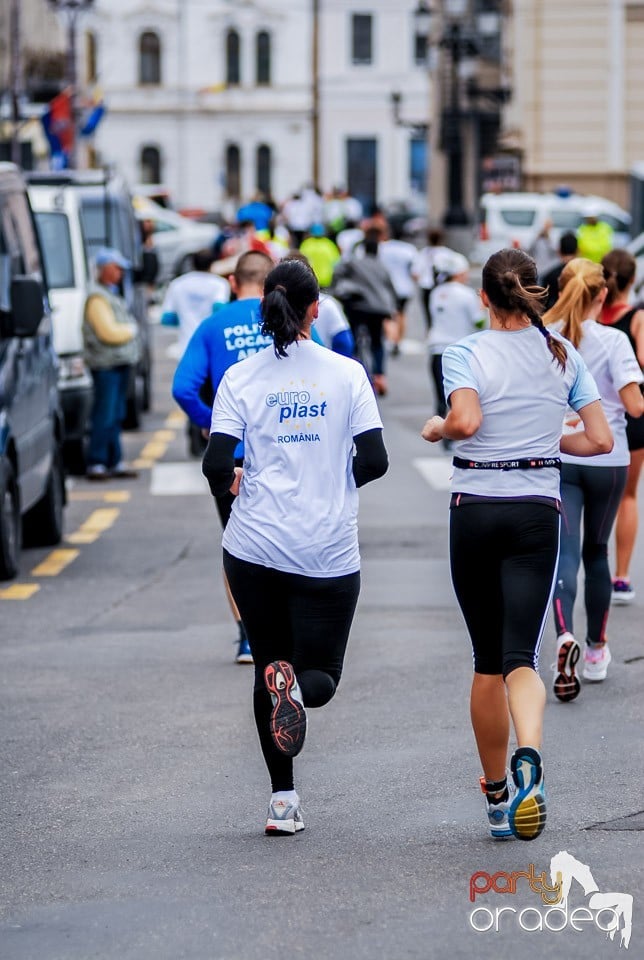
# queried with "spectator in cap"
point(456, 312)
point(111, 350)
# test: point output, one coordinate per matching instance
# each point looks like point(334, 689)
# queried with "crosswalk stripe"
point(436, 471)
point(178, 479)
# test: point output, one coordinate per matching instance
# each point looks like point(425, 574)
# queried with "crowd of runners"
point(541, 410)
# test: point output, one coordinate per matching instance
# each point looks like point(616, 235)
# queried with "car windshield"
point(566, 219)
point(55, 241)
point(99, 230)
point(518, 218)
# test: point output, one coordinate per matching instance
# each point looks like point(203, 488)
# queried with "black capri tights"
point(305, 620)
point(503, 557)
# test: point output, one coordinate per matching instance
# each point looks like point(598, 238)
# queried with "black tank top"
point(624, 323)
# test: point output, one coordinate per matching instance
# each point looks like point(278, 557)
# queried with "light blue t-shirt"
point(524, 395)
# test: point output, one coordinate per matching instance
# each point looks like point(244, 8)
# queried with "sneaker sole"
point(527, 814)
point(288, 719)
point(596, 676)
point(620, 600)
point(566, 686)
point(244, 658)
point(283, 828)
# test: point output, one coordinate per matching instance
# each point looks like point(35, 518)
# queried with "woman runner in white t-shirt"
point(592, 486)
point(508, 389)
point(291, 545)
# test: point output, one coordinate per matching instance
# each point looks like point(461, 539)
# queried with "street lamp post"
point(459, 47)
point(72, 9)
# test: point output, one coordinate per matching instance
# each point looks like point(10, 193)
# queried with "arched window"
point(263, 174)
point(263, 59)
point(150, 164)
point(149, 58)
point(233, 170)
point(91, 67)
point(233, 58)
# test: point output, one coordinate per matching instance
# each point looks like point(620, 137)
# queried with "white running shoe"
point(284, 817)
point(566, 683)
point(596, 660)
point(497, 813)
point(622, 593)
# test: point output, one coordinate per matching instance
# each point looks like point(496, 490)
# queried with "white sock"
point(288, 796)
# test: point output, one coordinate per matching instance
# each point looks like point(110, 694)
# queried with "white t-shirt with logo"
point(610, 358)
point(192, 297)
point(297, 507)
point(456, 313)
point(524, 395)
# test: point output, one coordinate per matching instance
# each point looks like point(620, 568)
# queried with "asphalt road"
point(133, 792)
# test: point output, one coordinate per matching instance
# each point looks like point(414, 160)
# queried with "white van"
point(57, 216)
point(516, 219)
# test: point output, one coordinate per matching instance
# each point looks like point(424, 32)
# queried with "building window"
point(233, 58)
point(233, 171)
point(420, 50)
point(362, 165)
point(361, 38)
point(149, 58)
point(264, 169)
point(150, 165)
point(91, 68)
point(263, 59)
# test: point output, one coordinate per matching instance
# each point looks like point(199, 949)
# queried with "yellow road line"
point(110, 496)
point(153, 450)
point(19, 591)
point(143, 464)
point(96, 523)
point(175, 418)
point(54, 563)
point(165, 435)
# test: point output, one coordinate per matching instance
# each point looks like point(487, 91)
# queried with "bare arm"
point(462, 421)
point(631, 397)
point(596, 436)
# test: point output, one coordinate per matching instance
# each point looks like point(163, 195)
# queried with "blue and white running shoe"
point(284, 817)
point(527, 814)
point(498, 813)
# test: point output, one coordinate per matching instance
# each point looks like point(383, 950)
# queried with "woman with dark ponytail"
point(291, 545)
point(508, 388)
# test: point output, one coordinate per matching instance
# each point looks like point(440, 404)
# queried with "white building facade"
point(215, 98)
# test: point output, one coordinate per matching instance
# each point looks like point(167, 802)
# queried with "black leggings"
point(503, 557)
point(305, 620)
point(596, 492)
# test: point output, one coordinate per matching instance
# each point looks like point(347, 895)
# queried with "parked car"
point(32, 480)
point(175, 237)
point(57, 213)
point(107, 220)
point(515, 219)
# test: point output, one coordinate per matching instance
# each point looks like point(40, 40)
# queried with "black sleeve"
point(218, 465)
point(370, 460)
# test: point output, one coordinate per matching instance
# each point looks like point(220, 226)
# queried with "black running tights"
point(503, 557)
point(305, 620)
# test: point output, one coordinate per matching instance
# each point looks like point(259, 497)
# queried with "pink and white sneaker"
point(596, 660)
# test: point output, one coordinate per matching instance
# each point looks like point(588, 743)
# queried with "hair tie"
point(279, 286)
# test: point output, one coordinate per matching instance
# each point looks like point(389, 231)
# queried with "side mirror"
point(27, 306)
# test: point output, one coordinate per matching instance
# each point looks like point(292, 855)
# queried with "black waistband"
point(531, 463)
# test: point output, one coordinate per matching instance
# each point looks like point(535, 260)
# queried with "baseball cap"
point(450, 263)
point(111, 255)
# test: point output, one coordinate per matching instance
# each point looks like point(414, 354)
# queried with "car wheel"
point(42, 525)
point(9, 522)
